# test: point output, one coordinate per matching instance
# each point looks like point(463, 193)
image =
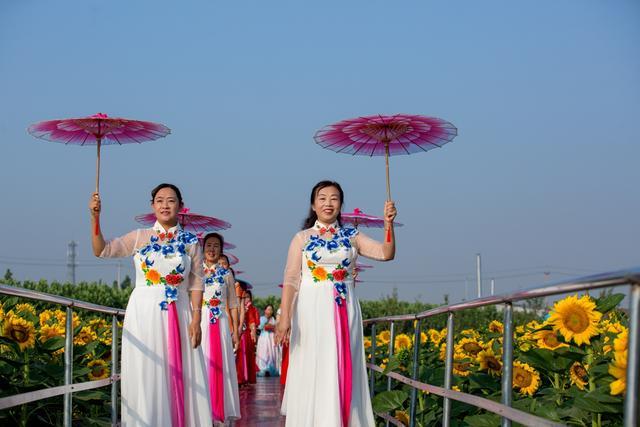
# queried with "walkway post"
point(633, 352)
point(414, 375)
point(372, 378)
point(507, 360)
point(392, 340)
point(114, 370)
point(68, 366)
point(448, 372)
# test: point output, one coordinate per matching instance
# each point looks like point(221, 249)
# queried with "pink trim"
point(344, 359)
point(215, 372)
point(176, 382)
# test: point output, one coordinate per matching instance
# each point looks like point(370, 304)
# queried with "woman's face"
point(327, 204)
point(222, 262)
point(212, 250)
point(268, 312)
point(166, 206)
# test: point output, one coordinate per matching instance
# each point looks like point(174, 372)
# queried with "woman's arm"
point(290, 286)
point(384, 251)
point(120, 246)
point(195, 332)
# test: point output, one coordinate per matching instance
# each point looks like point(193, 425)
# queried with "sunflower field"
point(32, 340)
point(568, 367)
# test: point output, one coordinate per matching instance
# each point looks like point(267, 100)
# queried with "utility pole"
point(71, 262)
point(479, 275)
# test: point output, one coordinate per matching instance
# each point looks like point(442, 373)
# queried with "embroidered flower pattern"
point(168, 245)
point(214, 279)
point(341, 239)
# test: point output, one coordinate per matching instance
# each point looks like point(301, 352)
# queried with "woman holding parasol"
point(163, 375)
point(321, 318)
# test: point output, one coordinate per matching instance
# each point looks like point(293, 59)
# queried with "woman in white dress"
point(218, 341)
point(267, 350)
point(163, 371)
point(321, 319)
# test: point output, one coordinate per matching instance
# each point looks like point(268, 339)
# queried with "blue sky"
point(542, 177)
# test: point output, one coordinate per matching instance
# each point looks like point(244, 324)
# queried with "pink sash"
point(344, 358)
point(216, 388)
point(176, 382)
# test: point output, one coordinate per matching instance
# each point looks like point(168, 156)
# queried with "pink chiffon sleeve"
point(368, 247)
point(229, 282)
point(293, 269)
point(121, 246)
point(195, 275)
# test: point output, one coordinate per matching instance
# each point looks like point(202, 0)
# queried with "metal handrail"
point(630, 277)
point(69, 387)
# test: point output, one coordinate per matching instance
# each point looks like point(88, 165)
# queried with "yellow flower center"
point(577, 321)
point(472, 348)
point(521, 378)
point(19, 333)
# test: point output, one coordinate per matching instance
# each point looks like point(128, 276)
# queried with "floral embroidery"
point(168, 245)
point(214, 279)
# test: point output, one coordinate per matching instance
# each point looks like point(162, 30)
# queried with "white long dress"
point(168, 265)
point(219, 285)
point(320, 266)
point(266, 349)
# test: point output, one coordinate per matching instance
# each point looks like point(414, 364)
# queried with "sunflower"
point(61, 317)
point(489, 362)
point(469, 346)
point(384, 362)
point(619, 367)
point(99, 369)
point(578, 374)
point(50, 331)
point(575, 318)
point(548, 339)
point(106, 338)
point(496, 327)
point(19, 330)
point(402, 341)
point(434, 336)
point(461, 365)
point(25, 308)
point(443, 351)
point(619, 371)
point(423, 338)
point(384, 337)
point(470, 333)
point(85, 336)
point(97, 324)
point(403, 417)
point(534, 324)
point(520, 330)
point(525, 378)
point(367, 342)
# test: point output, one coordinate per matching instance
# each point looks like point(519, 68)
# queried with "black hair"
point(227, 258)
point(312, 216)
point(249, 294)
point(165, 185)
point(273, 310)
point(216, 236)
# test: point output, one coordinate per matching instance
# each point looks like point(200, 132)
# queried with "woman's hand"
point(254, 335)
point(283, 331)
point(235, 340)
point(390, 212)
point(95, 205)
point(195, 333)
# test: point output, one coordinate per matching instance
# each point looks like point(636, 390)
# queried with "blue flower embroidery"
point(168, 250)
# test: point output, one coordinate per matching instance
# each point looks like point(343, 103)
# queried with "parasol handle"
point(386, 159)
point(98, 166)
point(96, 229)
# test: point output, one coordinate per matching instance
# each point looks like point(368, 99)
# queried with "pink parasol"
point(233, 260)
point(98, 130)
point(386, 136)
point(192, 222)
point(357, 218)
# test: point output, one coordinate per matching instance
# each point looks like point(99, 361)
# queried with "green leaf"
point(609, 302)
point(483, 420)
point(389, 400)
point(588, 403)
point(53, 344)
point(393, 364)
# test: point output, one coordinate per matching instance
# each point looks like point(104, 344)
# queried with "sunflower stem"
point(25, 378)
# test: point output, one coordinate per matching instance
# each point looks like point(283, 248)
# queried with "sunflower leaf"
point(609, 302)
point(389, 400)
point(53, 344)
point(484, 420)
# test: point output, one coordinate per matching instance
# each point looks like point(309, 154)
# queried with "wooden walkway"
point(260, 404)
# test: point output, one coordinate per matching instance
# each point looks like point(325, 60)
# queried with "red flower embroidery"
point(169, 236)
point(161, 236)
point(214, 302)
point(174, 279)
point(339, 275)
